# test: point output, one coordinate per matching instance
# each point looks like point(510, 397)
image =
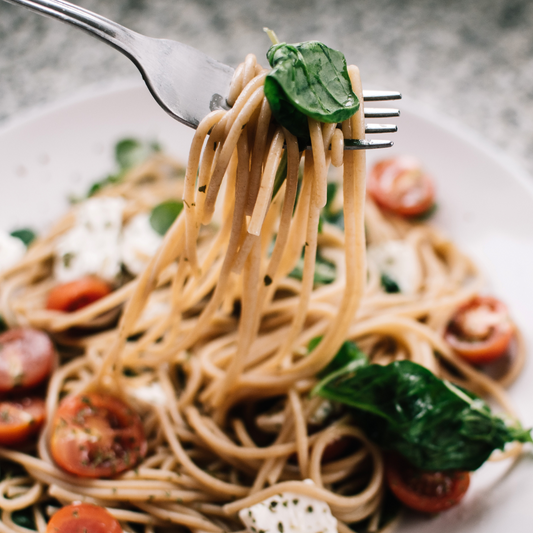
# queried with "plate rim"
point(421, 110)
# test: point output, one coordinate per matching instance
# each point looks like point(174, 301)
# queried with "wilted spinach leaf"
point(164, 214)
point(308, 80)
point(432, 423)
point(26, 235)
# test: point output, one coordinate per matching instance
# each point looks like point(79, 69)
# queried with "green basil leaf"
point(108, 180)
point(325, 271)
point(132, 152)
point(328, 213)
point(427, 214)
point(347, 359)
point(281, 174)
point(308, 80)
point(389, 284)
point(128, 153)
point(26, 235)
point(24, 518)
point(164, 214)
point(3, 325)
point(432, 423)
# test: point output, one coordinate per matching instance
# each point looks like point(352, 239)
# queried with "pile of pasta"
point(216, 322)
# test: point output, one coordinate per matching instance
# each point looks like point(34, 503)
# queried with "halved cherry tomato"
point(96, 435)
point(425, 491)
point(70, 297)
point(83, 518)
point(481, 330)
point(20, 419)
point(400, 185)
point(27, 357)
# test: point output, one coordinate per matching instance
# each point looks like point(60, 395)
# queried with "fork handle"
point(118, 36)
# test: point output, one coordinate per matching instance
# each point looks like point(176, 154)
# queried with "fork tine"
point(363, 144)
point(381, 128)
point(380, 96)
point(381, 112)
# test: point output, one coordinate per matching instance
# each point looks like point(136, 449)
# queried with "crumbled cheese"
point(92, 245)
point(155, 309)
point(152, 393)
point(139, 243)
point(289, 513)
point(399, 261)
point(479, 321)
point(12, 250)
point(322, 412)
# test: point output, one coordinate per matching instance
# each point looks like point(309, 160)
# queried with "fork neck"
point(112, 33)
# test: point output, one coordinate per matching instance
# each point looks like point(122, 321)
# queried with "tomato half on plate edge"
point(400, 185)
point(493, 338)
point(423, 490)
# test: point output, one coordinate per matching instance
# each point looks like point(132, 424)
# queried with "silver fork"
point(186, 83)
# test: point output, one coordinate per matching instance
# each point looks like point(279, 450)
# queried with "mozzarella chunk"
point(399, 261)
point(91, 247)
point(289, 513)
point(12, 250)
point(139, 243)
point(152, 393)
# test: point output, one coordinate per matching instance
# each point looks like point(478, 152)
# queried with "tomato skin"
point(83, 518)
point(27, 357)
point(70, 297)
point(399, 185)
point(423, 490)
point(20, 420)
point(480, 345)
point(96, 435)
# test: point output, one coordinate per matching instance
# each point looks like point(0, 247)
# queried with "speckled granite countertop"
point(470, 60)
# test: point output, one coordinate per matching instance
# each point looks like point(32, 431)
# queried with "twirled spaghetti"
point(216, 322)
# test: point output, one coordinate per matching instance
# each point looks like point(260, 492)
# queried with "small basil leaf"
point(347, 354)
point(325, 271)
point(427, 214)
point(132, 152)
point(26, 235)
point(389, 284)
point(281, 175)
point(24, 518)
point(3, 325)
point(128, 153)
point(108, 180)
point(432, 423)
point(164, 214)
point(329, 214)
point(308, 80)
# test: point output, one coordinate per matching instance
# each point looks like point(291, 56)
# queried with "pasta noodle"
point(216, 322)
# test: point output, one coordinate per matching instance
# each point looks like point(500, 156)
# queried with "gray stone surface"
point(472, 60)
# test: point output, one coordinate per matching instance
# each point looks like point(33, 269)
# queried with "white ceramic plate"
point(485, 204)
